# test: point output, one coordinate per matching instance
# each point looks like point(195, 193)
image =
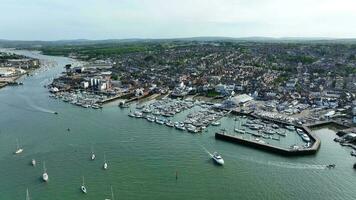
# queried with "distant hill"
point(39, 43)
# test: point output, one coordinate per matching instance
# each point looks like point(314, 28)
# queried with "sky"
point(122, 19)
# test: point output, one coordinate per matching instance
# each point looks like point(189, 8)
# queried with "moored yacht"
point(217, 158)
point(305, 137)
point(215, 123)
point(33, 162)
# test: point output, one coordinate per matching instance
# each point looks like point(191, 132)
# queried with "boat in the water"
point(45, 175)
point(217, 158)
point(216, 123)
point(83, 188)
point(33, 162)
point(18, 148)
point(105, 165)
point(305, 137)
point(239, 131)
point(92, 157)
point(300, 131)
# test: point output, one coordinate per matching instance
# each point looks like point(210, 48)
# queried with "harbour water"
point(144, 157)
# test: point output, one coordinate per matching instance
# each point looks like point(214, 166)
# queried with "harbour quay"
point(260, 133)
point(269, 147)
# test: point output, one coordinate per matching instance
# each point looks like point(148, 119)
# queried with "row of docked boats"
point(79, 98)
point(165, 107)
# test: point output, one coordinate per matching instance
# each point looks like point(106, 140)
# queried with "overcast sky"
point(117, 19)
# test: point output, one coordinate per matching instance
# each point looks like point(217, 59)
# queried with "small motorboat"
point(215, 123)
point(83, 188)
point(331, 166)
point(56, 113)
point(355, 166)
point(217, 158)
point(18, 149)
point(33, 162)
point(92, 156)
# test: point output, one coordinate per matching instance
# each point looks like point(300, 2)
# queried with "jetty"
point(271, 148)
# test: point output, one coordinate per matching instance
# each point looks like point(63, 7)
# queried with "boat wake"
point(210, 154)
point(288, 165)
point(34, 107)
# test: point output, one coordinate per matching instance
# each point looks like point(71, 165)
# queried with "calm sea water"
point(144, 157)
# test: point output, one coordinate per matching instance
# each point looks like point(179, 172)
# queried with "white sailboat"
point(44, 175)
point(112, 194)
point(18, 148)
point(83, 188)
point(105, 166)
point(27, 195)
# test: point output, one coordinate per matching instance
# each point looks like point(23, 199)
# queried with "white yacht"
point(33, 162)
point(18, 148)
point(218, 159)
point(92, 154)
point(44, 175)
point(105, 166)
point(305, 137)
point(83, 188)
point(215, 123)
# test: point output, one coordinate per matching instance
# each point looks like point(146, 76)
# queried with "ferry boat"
point(83, 188)
point(218, 159)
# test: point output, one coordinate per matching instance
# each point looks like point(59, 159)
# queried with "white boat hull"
point(45, 177)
